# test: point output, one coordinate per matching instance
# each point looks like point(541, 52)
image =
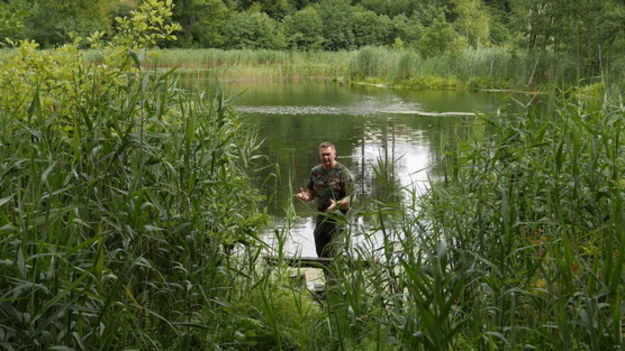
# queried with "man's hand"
point(341, 204)
point(304, 195)
point(332, 206)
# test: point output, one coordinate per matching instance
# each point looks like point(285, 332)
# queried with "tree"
point(303, 30)
point(10, 22)
point(438, 39)
point(202, 22)
point(370, 29)
point(472, 21)
point(253, 31)
point(390, 8)
point(502, 30)
point(584, 30)
point(338, 31)
point(408, 30)
point(51, 22)
point(277, 9)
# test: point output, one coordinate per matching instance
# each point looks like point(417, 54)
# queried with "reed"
point(519, 245)
point(124, 213)
point(487, 68)
point(255, 64)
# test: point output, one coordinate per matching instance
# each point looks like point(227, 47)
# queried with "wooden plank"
point(312, 262)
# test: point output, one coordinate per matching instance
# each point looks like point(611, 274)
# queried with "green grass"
point(487, 68)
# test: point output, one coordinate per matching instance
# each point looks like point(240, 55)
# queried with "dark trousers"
point(328, 236)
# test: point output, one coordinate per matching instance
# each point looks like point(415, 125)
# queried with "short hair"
point(326, 144)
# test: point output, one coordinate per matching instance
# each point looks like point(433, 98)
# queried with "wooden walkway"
point(309, 262)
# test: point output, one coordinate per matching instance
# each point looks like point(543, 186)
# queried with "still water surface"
point(369, 125)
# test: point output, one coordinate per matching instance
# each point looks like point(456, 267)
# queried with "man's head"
point(327, 154)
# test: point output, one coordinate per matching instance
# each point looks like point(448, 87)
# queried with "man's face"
point(327, 156)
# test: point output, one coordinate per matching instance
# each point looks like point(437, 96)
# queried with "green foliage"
point(585, 35)
point(304, 29)
point(475, 69)
point(502, 31)
point(270, 317)
point(338, 30)
point(398, 44)
point(146, 26)
point(427, 13)
point(277, 9)
point(429, 82)
point(53, 23)
point(122, 198)
point(473, 21)
point(438, 39)
point(584, 30)
point(10, 22)
point(407, 29)
point(202, 22)
point(370, 29)
point(518, 245)
point(390, 8)
point(253, 31)
point(480, 83)
point(369, 62)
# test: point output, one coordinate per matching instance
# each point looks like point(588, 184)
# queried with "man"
point(329, 184)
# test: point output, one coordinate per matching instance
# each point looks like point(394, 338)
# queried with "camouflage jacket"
point(335, 183)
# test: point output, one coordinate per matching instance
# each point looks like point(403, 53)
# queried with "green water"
point(366, 124)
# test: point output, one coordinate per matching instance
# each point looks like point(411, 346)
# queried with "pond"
point(372, 128)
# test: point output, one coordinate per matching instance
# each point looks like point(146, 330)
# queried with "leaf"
point(34, 105)
point(151, 228)
point(132, 297)
point(191, 325)
point(5, 200)
point(21, 265)
point(133, 55)
point(46, 173)
point(497, 335)
point(7, 227)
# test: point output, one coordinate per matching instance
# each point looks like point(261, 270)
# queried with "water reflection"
point(409, 163)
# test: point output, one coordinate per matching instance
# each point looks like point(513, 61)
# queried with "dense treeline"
point(588, 32)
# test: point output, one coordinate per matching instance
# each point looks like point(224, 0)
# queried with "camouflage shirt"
point(335, 183)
